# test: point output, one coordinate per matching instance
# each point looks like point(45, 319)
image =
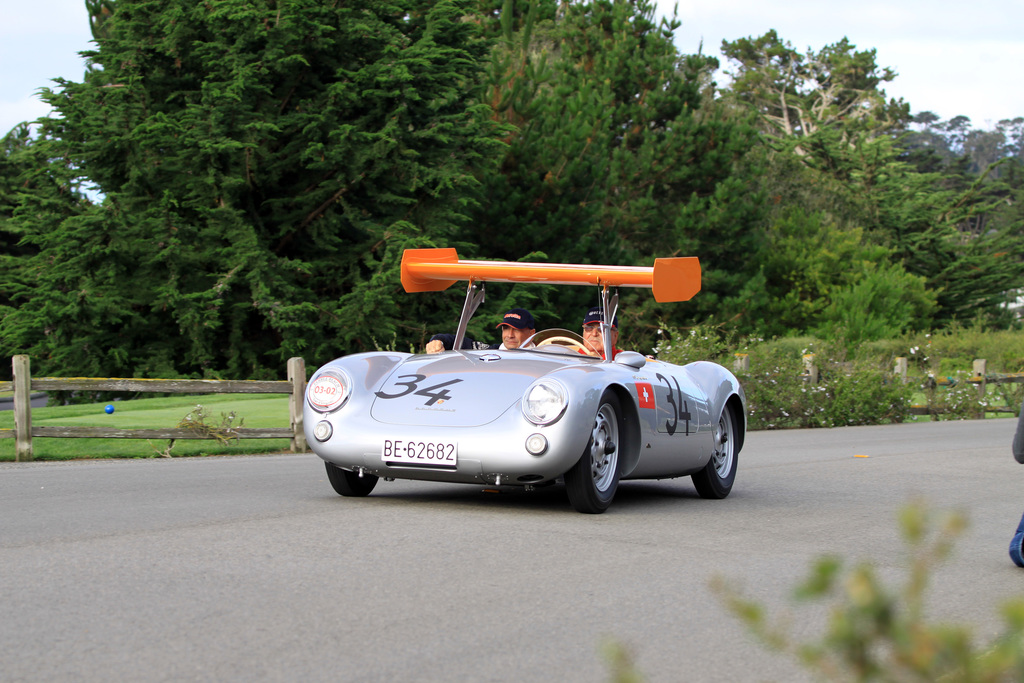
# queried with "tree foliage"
point(619, 157)
point(232, 183)
point(799, 94)
point(262, 166)
point(840, 172)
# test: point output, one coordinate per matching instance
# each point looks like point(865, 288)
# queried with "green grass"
point(259, 410)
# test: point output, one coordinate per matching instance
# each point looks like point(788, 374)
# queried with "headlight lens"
point(544, 402)
point(323, 430)
point(536, 444)
point(328, 391)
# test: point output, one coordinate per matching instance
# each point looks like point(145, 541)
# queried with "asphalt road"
point(251, 568)
point(37, 400)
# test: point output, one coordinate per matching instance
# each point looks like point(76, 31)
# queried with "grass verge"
point(259, 410)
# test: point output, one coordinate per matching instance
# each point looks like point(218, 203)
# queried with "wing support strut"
point(609, 308)
point(473, 301)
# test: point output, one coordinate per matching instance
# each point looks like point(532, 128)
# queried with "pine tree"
point(837, 162)
point(619, 158)
point(262, 165)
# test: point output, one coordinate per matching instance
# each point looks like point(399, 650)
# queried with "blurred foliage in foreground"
point(876, 632)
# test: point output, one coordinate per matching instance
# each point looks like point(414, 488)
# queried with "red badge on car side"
point(645, 395)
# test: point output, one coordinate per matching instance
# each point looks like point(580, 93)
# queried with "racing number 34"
point(430, 392)
point(679, 412)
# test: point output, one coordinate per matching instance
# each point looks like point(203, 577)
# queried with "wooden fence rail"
point(24, 384)
point(980, 377)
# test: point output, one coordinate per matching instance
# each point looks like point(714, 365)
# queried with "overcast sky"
point(952, 57)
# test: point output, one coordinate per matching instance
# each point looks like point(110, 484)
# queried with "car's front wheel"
point(717, 477)
point(348, 483)
point(593, 480)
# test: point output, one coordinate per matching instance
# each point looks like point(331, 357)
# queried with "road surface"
point(252, 568)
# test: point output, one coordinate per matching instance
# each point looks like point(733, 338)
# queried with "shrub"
point(880, 303)
point(779, 393)
point(957, 347)
point(701, 342)
point(856, 385)
point(957, 400)
point(866, 396)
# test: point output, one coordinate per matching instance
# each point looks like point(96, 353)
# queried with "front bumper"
point(494, 453)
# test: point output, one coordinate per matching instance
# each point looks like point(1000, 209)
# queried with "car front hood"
point(462, 389)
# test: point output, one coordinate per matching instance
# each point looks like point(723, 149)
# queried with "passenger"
point(516, 327)
point(592, 332)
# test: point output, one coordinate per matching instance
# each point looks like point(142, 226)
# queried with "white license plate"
point(443, 454)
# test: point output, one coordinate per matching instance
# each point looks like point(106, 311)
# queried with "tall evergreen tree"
point(619, 158)
point(262, 163)
point(33, 192)
point(837, 164)
point(799, 94)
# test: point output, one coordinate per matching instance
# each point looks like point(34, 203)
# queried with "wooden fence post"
point(22, 408)
point(901, 369)
point(811, 367)
point(980, 368)
point(297, 376)
point(742, 362)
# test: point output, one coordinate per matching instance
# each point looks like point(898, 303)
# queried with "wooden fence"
point(980, 377)
point(24, 384)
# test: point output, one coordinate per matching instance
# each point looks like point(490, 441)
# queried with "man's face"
point(592, 336)
point(512, 337)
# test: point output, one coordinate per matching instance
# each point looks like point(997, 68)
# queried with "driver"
point(516, 327)
point(592, 332)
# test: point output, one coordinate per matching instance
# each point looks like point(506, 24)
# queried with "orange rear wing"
point(434, 270)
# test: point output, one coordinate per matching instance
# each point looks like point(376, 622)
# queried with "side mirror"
point(631, 359)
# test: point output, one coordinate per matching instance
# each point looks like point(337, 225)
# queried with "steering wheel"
point(565, 341)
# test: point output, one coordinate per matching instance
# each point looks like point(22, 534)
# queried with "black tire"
point(349, 483)
point(716, 479)
point(593, 480)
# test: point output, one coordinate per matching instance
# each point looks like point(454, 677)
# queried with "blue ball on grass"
point(109, 409)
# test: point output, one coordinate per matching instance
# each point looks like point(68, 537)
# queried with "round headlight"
point(544, 402)
point(327, 391)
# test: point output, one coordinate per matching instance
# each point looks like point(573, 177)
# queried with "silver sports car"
point(531, 416)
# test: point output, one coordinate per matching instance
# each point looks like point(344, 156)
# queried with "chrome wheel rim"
point(724, 449)
point(602, 463)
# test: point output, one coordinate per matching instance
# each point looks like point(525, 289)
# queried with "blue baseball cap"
point(519, 318)
point(596, 315)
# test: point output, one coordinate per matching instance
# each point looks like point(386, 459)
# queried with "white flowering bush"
point(779, 392)
point(701, 342)
point(953, 397)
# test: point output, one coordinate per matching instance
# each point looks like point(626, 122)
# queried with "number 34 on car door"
point(679, 406)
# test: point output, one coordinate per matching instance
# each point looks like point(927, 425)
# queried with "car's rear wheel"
point(593, 480)
point(348, 483)
point(717, 477)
